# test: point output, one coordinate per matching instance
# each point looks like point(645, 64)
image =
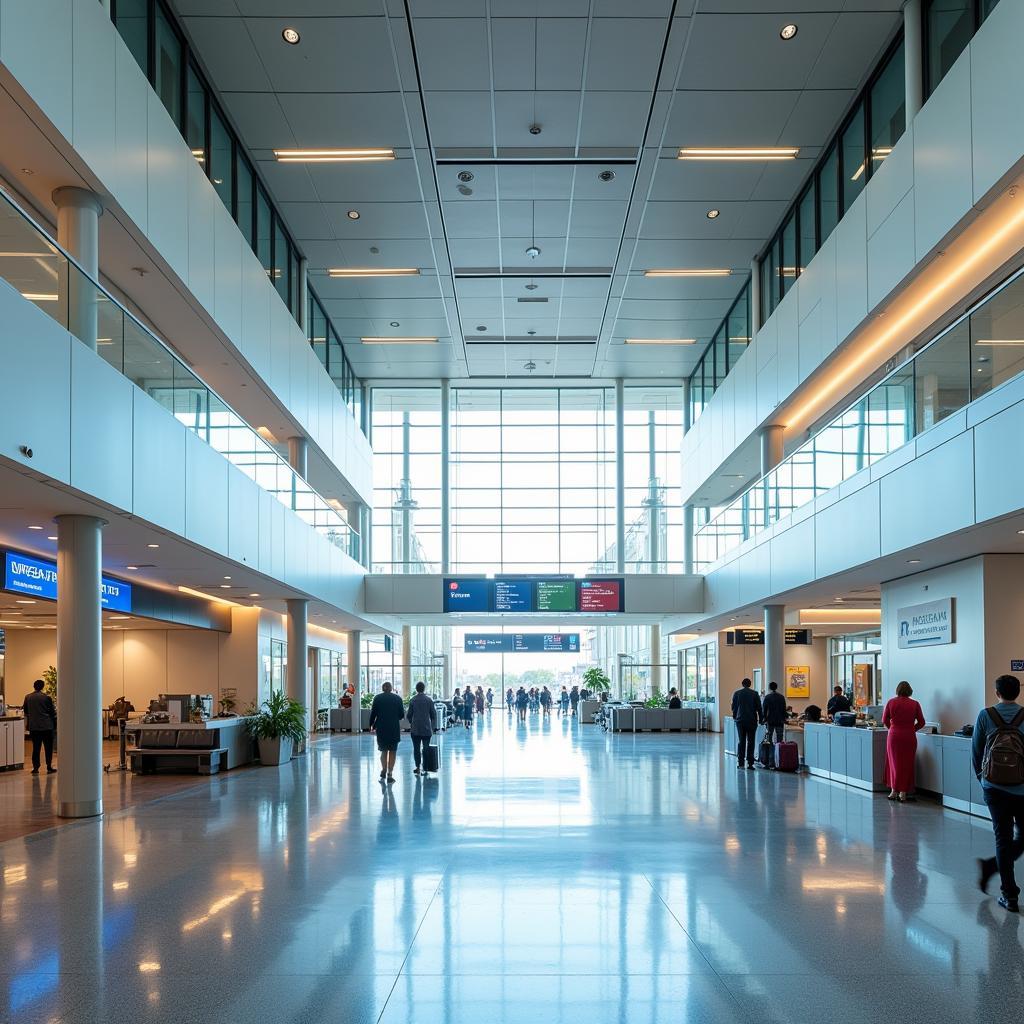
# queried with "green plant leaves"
point(277, 716)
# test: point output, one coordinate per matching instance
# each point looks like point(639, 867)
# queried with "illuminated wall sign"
point(601, 596)
point(37, 577)
point(755, 637)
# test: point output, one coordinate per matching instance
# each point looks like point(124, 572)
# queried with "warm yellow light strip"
point(40, 296)
point(661, 341)
point(682, 272)
point(372, 271)
point(399, 341)
point(1000, 341)
point(831, 616)
point(902, 324)
point(738, 153)
point(332, 156)
point(210, 597)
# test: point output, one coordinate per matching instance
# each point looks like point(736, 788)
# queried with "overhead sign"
point(467, 595)
point(1016, 665)
point(556, 595)
point(755, 637)
point(925, 625)
point(601, 596)
point(534, 594)
point(37, 577)
point(513, 596)
point(520, 643)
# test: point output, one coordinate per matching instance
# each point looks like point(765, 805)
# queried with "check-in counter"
point(639, 719)
point(12, 742)
point(855, 757)
point(229, 734)
point(960, 789)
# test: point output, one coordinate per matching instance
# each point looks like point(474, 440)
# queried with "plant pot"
point(276, 751)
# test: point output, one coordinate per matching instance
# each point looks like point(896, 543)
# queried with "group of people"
point(468, 702)
point(386, 714)
point(542, 699)
point(997, 754)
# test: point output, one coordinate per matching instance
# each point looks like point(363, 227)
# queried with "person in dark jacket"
point(774, 714)
point(386, 714)
point(674, 703)
point(574, 699)
point(837, 702)
point(746, 713)
point(41, 722)
point(422, 724)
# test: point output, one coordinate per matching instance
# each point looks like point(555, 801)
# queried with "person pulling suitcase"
point(422, 718)
point(773, 717)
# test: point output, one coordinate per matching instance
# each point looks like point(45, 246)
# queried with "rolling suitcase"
point(787, 757)
point(431, 761)
point(766, 754)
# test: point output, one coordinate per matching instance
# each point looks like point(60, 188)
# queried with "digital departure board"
point(799, 636)
point(520, 643)
point(547, 595)
point(600, 596)
point(468, 595)
point(513, 596)
point(556, 595)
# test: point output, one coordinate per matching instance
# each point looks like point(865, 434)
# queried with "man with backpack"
point(998, 753)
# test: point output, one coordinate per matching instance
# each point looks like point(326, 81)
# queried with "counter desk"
point(12, 742)
point(855, 757)
point(230, 735)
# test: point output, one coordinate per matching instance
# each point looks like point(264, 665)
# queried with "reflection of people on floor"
point(909, 886)
point(423, 796)
point(1001, 985)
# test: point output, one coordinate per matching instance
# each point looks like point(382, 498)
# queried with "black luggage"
point(766, 754)
point(431, 761)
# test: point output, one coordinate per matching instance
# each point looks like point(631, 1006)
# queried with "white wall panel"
point(227, 245)
point(891, 182)
point(169, 167)
point(255, 336)
point(243, 518)
point(158, 465)
point(788, 345)
point(851, 268)
point(102, 400)
point(192, 654)
point(129, 175)
point(755, 573)
point(94, 84)
point(999, 464)
point(891, 251)
point(36, 362)
point(792, 556)
point(206, 494)
point(810, 334)
point(847, 533)
point(928, 497)
point(202, 201)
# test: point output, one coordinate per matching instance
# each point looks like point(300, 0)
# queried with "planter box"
point(275, 752)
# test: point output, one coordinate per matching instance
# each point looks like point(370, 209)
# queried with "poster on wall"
point(861, 685)
point(925, 625)
point(798, 680)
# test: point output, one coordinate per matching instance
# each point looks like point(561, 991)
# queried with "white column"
point(298, 455)
point(913, 57)
point(688, 539)
point(446, 519)
point(775, 645)
point(304, 294)
point(772, 437)
point(78, 213)
point(620, 477)
point(355, 637)
point(296, 683)
point(656, 670)
point(79, 666)
point(406, 662)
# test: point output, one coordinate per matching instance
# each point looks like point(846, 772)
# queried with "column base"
point(80, 809)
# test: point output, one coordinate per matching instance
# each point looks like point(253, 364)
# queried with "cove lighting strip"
point(332, 156)
point(1000, 341)
point(399, 341)
point(373, 271)
point(738, 153)
point(713, 272)
point(661, 341)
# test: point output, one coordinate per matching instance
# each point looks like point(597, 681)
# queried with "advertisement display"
point(556, 595)
point(467, 595)
point(513, 596)
point(798, 680)
point(37, 577)
point(600, 596)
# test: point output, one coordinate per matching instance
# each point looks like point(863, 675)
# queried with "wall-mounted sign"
point(1016, 665)
point(755, 637)
point(925, 625)
point(518, 643)
point(861, 684)
point(798, 680)
point(37, 577)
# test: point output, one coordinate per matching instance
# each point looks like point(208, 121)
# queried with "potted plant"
point(196, 714)
point(277, 725)
point(227, 707)
point(596, 681)
point(49, 678)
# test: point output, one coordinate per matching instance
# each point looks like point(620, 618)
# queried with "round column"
point(772, 450)
point(295, 683)
point(406, 662)
point(775, 645)
point(355, 637)
point(298, 455)
point(79, 666)
point(78, 232)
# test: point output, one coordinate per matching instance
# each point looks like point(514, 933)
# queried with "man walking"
point(997, 747)
point(41, 721)
point(386, 714)
point(773, 714)
point(422, 725)
point(746, 713)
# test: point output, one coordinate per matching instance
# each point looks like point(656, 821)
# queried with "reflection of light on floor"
point(15, 873)
point(149, 967)
point(732, 844)
point(840, 905)
point(932, 942)
point(822, 847)
point(248, 882)
point(829, 883)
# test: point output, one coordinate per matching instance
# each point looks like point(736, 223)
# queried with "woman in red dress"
point(904, 718)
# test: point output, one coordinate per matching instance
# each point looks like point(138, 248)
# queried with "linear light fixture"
point(738, 153)
point(40, 296)
point(398, 341)
point(373, 271)
point(1000, 341)
point(661, 341)
point(208, 597)
point(332, 156)
point(684, 272)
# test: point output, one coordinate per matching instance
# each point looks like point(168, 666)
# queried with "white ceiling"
point(454, 86)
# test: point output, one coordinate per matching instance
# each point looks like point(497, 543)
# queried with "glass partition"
point(982, 350)
point(34, 265)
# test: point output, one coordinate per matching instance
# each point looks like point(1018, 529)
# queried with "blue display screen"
point(37, 577)
point(518, 643)
point(513, 596)
point(467, 595)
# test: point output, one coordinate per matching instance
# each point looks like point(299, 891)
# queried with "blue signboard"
point(486, 643)
point(513, 596)
point(467, 595)
point(38, 578)
point(519, 643)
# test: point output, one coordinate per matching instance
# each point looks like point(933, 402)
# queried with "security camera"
point(25, 450)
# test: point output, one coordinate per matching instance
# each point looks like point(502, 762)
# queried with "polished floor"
point(551, 874)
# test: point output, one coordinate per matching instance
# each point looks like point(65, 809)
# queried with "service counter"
point(12, 742)
point(627, 718)
point(855, 757)
point(230, 735)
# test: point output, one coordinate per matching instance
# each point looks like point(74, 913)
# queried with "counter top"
point(213, 723)
point(12, 718)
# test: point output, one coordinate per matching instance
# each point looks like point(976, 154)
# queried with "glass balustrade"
point(43, 274)
point(980, 351)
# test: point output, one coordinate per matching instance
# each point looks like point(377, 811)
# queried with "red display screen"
point(600, 596)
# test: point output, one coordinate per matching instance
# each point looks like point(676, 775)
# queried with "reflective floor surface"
point(552, 873)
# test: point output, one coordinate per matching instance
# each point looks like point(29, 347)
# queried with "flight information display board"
point(518, 595)
point(520, 643)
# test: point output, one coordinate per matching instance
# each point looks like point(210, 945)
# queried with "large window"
point(949, 25)
point(726, 346)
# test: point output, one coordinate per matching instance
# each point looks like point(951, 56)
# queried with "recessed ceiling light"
point(40, 296)
point(1021, 532)
point(332, 156)
point(152, 545)
point(712, 214)
point(738, 153)
point(533, 251)
point(711, 272)
point(788, 31)
point(119, 616)
point(1000, 341)
point(24, 600)
point(254, 595)
point(398, 341)
point(395, 323)
point(660, 341)
point(131, 567)
point(291, 35)
point(51, 538)
point(35, 527)
point(225, 586)
point(353, 215)
point(913, 561)
point(481, 327)
point(373, 271)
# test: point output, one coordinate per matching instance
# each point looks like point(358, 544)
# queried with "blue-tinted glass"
point(243, 214)
point(221, 167)
point(949, 25)
point(263, 231)
point(195, 118)
point(888, 109)
point(280, 276)
point(828, 194)
point(132, 18)
point(787, 257)
point(854, 169)
point(807, 239)
point(168, 67)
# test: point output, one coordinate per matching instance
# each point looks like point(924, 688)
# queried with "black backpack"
point(1003, 761)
